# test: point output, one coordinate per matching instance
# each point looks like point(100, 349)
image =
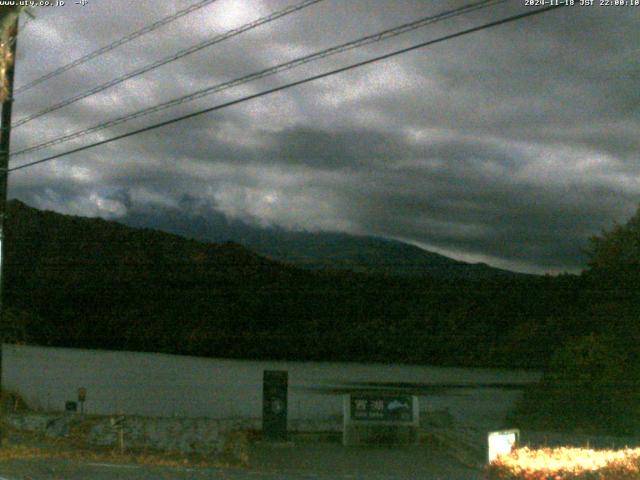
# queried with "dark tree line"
point(89, 283)
point(593, 382)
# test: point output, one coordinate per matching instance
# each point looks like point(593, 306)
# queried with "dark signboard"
point(274, 404)
point(71, 406)
point(386, 408)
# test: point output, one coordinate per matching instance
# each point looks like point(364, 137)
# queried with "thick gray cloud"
point(511, 145)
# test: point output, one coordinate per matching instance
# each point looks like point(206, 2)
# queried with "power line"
point(292, 84)
point(182, 53)
point(117, 43)
point(392, 32)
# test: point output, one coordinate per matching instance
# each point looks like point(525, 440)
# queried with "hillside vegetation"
point(592, 383)
point(91, 283)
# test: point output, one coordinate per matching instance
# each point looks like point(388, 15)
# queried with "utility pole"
point(5, 137)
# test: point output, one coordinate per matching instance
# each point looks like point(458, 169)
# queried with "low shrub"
point(12, 402)
point(235, 449)
point(592, 385)
point(565, 464)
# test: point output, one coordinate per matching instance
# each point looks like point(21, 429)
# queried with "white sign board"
point(373, 417)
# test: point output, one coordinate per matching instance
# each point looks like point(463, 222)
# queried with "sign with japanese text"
point(387, 408)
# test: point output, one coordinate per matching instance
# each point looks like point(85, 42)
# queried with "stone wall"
point(185, 435)
point(206, 436)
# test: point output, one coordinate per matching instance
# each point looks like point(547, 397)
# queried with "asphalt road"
point(65, 470)
point(321, 462)
point(58, 470)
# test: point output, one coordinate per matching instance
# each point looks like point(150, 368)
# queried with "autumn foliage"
point(565, 463)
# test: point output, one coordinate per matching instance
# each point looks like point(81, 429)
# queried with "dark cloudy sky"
point(509, 146)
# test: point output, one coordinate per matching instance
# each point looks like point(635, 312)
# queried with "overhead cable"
point(377, 37)
point(113, 45)
point(176, 56)
point(292, 84)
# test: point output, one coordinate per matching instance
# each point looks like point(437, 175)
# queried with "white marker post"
point(502, 443)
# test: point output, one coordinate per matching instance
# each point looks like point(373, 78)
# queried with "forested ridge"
point(91, 283)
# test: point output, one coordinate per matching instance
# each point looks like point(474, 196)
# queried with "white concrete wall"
point(170, 385)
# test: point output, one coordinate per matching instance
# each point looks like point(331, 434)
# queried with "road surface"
point(307, 462)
